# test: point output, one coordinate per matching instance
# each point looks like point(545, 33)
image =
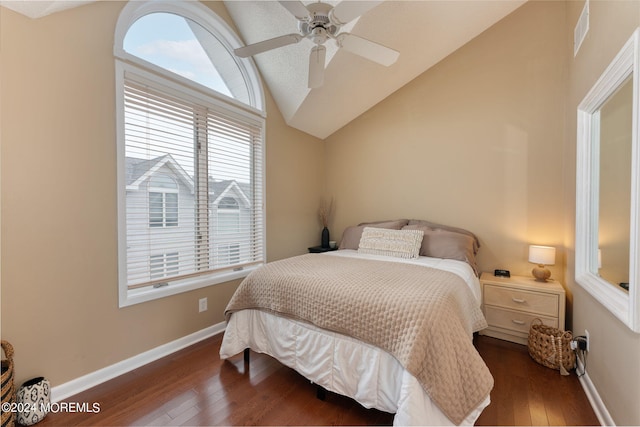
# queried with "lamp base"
point(540, 273)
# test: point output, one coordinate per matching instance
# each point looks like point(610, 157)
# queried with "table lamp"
point(542, 255)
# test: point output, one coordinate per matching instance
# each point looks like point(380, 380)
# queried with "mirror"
point(607, 185)
point(614, 192)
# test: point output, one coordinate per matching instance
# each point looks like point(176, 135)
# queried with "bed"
point(382, 320)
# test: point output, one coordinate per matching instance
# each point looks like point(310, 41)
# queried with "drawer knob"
point(518, 322)
point(519, 300)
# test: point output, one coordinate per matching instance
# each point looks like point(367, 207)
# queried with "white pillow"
point(395, 243)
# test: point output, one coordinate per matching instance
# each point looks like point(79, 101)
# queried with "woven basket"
point(551, 347)
point(8, 391)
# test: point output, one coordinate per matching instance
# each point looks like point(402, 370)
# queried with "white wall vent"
point(582, 27)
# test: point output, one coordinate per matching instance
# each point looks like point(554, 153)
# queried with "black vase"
point(325, 237)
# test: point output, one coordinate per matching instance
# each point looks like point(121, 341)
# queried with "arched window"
point(184, 102)
point(191, 43)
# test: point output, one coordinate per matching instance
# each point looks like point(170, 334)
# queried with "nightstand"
point(320, 249)
point(511, 303)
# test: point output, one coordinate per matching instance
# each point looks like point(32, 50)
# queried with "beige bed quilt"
point(423, 316)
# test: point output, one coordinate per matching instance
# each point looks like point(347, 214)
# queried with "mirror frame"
point(624, 305)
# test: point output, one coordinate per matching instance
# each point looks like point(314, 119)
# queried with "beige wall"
point(474, 142)
point(485, 140)
point(59, 254)
point(613, 360)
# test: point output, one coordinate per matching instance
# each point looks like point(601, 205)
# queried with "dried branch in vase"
point(325, 211)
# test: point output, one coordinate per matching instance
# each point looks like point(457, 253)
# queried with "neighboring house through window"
point(163, 265)
point(190, 152)
point(163, 201)
point(228, 215)
point(228, 253)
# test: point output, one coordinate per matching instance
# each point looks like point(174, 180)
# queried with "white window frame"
point(204, 16)
point(143, 70)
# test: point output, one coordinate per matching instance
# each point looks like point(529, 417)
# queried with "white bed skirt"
point(373, 378)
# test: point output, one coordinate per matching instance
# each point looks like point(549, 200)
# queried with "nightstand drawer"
point(514, 320)
point(532, 302)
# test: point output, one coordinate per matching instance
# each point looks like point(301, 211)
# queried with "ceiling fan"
point(319, 22)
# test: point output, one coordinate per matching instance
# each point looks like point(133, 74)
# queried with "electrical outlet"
point(586, 334)
point(202, 305)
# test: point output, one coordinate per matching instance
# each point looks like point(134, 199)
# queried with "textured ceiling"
point(40, 8)
point(423, 31)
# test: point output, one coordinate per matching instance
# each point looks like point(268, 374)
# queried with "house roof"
point(139, 171)
point(222, 189)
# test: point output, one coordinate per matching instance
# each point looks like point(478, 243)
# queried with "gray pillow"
point(351, 235)
point(436, 226)
point(400, 222)
point(441, 243)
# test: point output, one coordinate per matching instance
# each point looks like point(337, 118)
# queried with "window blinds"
point(214, 155)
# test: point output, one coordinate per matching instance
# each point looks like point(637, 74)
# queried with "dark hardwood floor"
point(526, 393)
point(194, 387)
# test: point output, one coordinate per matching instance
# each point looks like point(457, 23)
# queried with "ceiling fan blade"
point(265, 45)
point(367, 49)
point(316, 66)
point(296, 8)
point(346, 11)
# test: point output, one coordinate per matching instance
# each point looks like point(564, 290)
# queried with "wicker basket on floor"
point(8, 390)
point(551, 347)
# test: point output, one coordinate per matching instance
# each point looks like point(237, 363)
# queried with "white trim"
point(85, 382)
point(137, 296)
point(604, 417)
point(205, 17)
point(138, 70)
point(121, 180)
point(624, 306)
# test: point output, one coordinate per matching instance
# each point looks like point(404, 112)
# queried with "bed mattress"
point(343, 364)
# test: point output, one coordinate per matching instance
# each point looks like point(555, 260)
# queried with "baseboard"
point(73, 387)
point(594, 398)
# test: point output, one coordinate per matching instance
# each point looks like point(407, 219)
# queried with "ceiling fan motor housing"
point(318, 25)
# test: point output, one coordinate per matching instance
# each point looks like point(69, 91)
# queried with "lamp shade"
point(542, 255)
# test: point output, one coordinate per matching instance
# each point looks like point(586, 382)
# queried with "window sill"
point(137, 296)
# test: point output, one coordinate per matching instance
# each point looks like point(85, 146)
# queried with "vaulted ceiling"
point(424, 32)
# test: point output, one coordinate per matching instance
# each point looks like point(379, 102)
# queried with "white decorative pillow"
point(396, 243)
